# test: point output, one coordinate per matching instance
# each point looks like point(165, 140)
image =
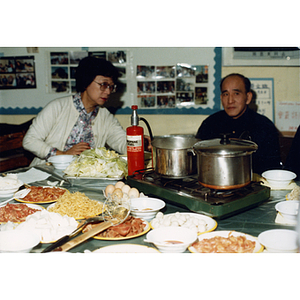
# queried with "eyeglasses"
point(105, 85)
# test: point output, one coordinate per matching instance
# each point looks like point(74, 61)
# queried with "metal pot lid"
point(174, 142)
point(225, 146)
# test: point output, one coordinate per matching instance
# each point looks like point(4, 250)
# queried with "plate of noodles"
point(76, 205)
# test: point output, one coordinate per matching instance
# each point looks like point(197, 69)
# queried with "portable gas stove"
point(189, 193)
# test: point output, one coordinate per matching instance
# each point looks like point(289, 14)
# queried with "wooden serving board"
point(83, 237)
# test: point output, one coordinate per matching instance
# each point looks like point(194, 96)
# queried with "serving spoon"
point(21, 194)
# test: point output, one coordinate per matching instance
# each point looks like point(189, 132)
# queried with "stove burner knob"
point(147, 178)
point(205, 191)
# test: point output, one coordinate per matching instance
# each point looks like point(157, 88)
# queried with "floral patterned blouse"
point(82, 130)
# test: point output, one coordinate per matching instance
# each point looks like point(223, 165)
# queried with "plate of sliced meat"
point(42, 194)
point(17, 213)
point(132, 227)
point(226, 242)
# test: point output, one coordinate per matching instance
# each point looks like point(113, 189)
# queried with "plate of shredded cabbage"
point(97, 163)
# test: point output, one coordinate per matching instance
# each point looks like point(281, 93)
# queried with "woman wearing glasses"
point(78, 122)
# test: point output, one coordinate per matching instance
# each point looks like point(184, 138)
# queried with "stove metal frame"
point(190, 194)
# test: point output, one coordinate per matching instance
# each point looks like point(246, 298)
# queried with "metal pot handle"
point(191, 150)
point(225, 138)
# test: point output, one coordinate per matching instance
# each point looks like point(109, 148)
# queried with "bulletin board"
point(158, 80)
point(288, 115)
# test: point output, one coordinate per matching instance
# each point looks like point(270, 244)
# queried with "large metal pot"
point(224, 163)
point(173, 155)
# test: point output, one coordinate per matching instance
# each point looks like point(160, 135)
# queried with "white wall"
point(286, 88)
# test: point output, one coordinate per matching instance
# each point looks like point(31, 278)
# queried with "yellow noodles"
point(77, 205)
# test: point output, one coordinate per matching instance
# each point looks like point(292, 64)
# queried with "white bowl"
point(172, 239)
point(279, 178)
point(288, 209)
point(11, 188)
point(146, 208)
point(18, 240)
point(279, 240)
point(61, 162)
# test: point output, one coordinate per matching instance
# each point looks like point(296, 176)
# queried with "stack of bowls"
point(61, 162)
point(9, 185)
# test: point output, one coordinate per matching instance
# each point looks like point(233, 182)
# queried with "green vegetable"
point(98, 163)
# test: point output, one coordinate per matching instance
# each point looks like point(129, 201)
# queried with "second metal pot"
point(173, 155)
point(224, 163)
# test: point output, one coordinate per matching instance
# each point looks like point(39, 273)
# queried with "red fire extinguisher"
point(135, 143)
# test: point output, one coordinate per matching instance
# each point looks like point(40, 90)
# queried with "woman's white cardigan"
point(52, 127)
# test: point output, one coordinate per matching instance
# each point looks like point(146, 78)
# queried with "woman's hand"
point(147, 143)
point(76, 149)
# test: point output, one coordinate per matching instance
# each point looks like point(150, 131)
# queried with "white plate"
point(211, 223)
point(224, 233)
point(126, 248)
point(34, 206)
point(146, 229)
point(38, 202)
point(5, 194)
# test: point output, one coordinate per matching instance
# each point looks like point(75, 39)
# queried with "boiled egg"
point(109, 189)
point(117, 194)
point(133, 193)
point(126, 188)
point(119, 185)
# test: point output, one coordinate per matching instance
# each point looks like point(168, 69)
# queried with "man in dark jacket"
point(238, 120)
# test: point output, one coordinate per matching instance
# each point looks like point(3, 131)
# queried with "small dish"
point(146, 208)
point(279, 179)
point(61, 162)
point(288, 209)
point(279, 240)
point(21, 241)
point(171, 239)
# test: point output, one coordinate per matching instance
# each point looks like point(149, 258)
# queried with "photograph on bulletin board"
point(17, 72)
point(59, 58)
point(165, 72)
point(177, 86)
point(77, 56)
point(117, 57)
